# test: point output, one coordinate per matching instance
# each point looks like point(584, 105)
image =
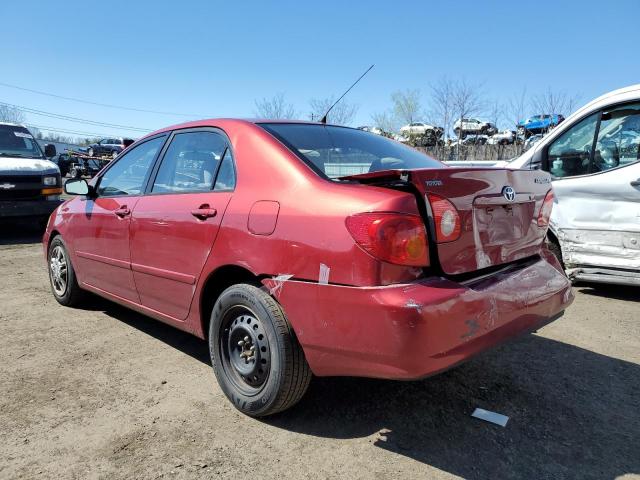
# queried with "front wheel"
point(62, 276)
point(256, 357)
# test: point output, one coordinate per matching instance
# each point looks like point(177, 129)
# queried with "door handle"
point(635, 183)
point(123, 211)
point(203, 212)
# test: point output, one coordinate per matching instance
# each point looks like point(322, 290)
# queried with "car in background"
point(505, 137)
point(475, 140)
point(296, 266)
point(470, 126)
point(30, 185)
point(419, 128)
point(539, 124)
point(421, 134)
point(594, 161)
point(108, 147)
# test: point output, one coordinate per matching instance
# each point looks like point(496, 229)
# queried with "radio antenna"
point(324, 118)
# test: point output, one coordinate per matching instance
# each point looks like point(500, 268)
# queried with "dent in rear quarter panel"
point(414, 330)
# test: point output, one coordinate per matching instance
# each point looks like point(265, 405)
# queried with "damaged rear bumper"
point(414, 330)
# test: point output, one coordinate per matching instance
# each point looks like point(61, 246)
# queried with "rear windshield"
point(335, 152)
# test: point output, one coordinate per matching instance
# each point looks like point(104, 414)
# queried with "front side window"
point(335, 152)
point(190, 163)
point(618, 138)
point(129, 172)
point(570, 154)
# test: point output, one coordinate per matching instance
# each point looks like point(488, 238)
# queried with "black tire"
point(114, 154)
point(256, 357)
point(71, 295)
point(554, 248)
point(90, 151)
point(75, 172)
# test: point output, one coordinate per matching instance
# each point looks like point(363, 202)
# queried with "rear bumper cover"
point(415, 330)
point(28, 208)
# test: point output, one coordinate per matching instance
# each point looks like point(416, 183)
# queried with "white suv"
point(594, 161)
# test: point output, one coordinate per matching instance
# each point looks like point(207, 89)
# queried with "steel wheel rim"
point(58, 270)
point(245, 350)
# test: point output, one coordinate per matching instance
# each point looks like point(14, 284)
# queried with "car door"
point(101, 227)
point(596, 172)
point(175, 225)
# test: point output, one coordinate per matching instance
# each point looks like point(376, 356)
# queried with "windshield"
point(16, 141)
point(335, 152)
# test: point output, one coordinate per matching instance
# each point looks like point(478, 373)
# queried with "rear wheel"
point(90, 152)
point(75, 172)
point(256, 357)
point(114, 154)
point(62, 276)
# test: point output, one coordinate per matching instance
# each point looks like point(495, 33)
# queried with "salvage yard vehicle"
point(421, 134)
point(505, 137)
point(473, 126)
point(255, 236)
point(539, 124)
point(594, 160)
point(108, 146)
point(30, 185)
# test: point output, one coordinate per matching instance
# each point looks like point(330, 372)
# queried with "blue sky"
point(216, 58)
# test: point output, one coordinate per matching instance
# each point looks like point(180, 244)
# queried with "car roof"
point(218, 122)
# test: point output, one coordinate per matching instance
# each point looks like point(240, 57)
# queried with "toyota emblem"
point(509, 193)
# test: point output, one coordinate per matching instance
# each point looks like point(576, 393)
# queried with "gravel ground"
point(106, 393)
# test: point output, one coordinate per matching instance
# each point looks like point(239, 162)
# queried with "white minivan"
point(594, 160)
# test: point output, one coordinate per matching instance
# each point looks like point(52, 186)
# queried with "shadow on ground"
point(619, 292)
point(573, 413)
point(21, 232)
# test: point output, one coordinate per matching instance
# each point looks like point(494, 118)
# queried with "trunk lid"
point(498, 225)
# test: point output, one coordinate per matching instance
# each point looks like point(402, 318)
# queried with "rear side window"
point(335, 152)
point(226, 178)
point(190, 163)
point(128, 174)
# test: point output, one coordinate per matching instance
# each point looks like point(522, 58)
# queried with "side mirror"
point(49, 150)
point(76, 186)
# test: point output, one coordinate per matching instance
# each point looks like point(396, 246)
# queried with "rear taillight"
point(545, 210)
point(393, 237)
point(446, 219)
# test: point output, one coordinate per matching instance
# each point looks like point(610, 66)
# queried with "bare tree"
point(11, 114)
point(495, 113)
point(406, 105)
point(342, 114)
point(466, 99)
point(385, 121)
point(275, 107)
point(555, 102)
point(442, 104)
point(517, 107)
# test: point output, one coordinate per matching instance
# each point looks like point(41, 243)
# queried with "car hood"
point(26, 166)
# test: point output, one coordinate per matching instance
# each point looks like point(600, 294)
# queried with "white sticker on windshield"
point(22, 134)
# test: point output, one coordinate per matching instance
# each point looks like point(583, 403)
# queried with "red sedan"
point(303, 248)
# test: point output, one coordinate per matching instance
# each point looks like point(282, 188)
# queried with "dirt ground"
point(107, 393)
